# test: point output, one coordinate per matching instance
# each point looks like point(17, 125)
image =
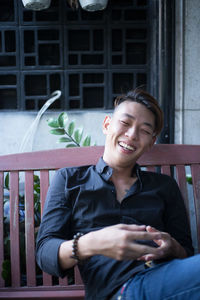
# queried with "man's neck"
point(123, 179)
point(120, 170)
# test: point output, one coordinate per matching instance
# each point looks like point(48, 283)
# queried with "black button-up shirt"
point(83, 199)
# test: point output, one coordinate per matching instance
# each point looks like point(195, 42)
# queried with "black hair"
point(140, 96)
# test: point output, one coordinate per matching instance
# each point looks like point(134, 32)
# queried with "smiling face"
point(129, 133)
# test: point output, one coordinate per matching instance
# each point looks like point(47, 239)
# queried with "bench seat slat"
point(44, 184)
point(181, 179)
point(51, 159)
point(29, 229)
point(76, 294)
point(77, 276)
point(161, 154)
point(63, 281)
point(151, 169)
point(47, 279)
point(171, 154)
point(1, 226)
point(14, 229)
point(195, 170)
point(166, 170)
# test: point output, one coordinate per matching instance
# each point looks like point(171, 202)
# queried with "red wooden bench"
point(169, 159)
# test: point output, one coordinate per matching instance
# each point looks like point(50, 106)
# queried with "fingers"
point(136, 245)
point(124, 241)
point(139, 232)
point(131, 227)
point(142, 236)
point(138, 236)
point(143, 252)
point(133, 251)
point(164, 243)
point(151, 256)
point(164, 235)
point(151, 229)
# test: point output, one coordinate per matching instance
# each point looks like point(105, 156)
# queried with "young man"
point(122, 218)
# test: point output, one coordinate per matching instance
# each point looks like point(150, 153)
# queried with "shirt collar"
point(103, 169)
point(106, 171)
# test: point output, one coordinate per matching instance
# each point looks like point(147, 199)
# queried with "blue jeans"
point(178, 279)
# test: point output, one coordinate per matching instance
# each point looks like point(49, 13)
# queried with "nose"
point(132, 133)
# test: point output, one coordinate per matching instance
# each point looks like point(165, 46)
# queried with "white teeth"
point(126, 146)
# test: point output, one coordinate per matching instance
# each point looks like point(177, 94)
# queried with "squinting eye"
point(124, 123)
point(146, 132)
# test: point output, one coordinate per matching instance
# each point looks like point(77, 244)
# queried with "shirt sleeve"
point(55, 226)
point(176, 218)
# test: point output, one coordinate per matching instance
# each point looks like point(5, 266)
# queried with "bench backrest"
point(174, 160)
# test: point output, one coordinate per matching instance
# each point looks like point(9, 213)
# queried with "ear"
point(152, 142)
point(106, 124)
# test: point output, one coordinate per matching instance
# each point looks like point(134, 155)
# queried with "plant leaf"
point(6, 267)
point(53, 122)
point(71, 145)
point(36, 179)
point(7, 181)
point(71, 127)
point(58, 131)
point(62, 119)
point(87, 141)
point(37, 188)
point(189, 179)
point(64, 140)
point(78, 135)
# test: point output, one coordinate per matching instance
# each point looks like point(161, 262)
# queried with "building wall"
point(187, 85)
point(14, 127)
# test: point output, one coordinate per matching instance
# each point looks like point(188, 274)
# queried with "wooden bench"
point(176, 160)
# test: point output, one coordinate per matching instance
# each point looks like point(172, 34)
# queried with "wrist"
point(85, 249)
point(75, 254)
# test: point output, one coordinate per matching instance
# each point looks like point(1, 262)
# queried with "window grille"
point(90, 57)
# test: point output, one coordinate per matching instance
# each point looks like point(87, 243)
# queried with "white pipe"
point(30, 134)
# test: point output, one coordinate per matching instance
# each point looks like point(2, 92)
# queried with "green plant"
point(70, 135)
point(189, 179)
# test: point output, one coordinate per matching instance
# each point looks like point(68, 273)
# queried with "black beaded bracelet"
point(75, 246)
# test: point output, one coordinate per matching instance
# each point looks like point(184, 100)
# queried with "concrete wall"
point(187, 86)
point(13, 127)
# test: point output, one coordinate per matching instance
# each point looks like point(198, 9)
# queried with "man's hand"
point(121, 242)
point(168, 246)
point(118, 242)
